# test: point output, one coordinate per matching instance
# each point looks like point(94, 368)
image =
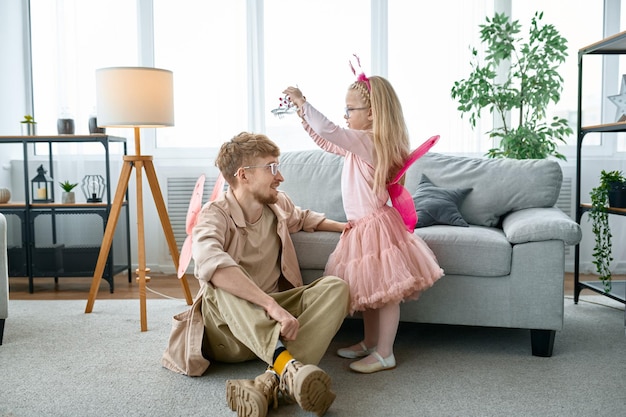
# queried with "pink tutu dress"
point(377, 257)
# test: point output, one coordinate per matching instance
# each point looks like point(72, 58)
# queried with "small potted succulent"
point(611, 183)
point(68, 196)
point(29, 126)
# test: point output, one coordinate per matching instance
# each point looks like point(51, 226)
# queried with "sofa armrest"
point(538, 224)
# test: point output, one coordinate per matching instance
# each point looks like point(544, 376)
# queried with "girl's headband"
point(361, 76)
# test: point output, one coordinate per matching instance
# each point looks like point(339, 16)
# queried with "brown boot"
point(308, 385)
point(252, 398)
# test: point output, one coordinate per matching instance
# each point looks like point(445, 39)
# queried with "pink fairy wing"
point(403, 202)
point(218, 187)
point(415, 155)
point(185, 257)
point(195, 204)
point(401, 199)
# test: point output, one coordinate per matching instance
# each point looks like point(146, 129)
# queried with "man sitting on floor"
point(254, 302)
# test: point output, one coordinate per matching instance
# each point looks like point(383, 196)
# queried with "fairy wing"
point(401, 199)
point(415, 155)
point(192, 216)
point(195, 204)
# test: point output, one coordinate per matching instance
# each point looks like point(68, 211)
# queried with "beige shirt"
point(261, 253)
point(221, 234)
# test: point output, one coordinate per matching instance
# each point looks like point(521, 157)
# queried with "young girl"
point(380, 260)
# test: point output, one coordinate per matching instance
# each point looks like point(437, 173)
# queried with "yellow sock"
point(281, 361)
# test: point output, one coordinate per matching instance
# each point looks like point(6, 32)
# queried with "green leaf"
point(530, 86)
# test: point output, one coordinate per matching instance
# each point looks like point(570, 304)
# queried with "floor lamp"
point(135, 97)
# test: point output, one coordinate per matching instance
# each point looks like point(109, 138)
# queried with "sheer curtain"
point(70, 40)
point(220, 91)
point(204, 44)
point(427, 54)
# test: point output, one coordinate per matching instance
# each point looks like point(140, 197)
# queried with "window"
point(231, 61)
point(426, 56)
point(204, 45)
point(588, 15)
point(70, 40)
point(309, 45)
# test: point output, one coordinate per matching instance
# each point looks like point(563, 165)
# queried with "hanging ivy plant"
point(599, 217)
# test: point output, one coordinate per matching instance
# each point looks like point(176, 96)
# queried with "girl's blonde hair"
point(391, 136)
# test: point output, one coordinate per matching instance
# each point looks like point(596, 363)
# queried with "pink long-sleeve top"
point(357, 147)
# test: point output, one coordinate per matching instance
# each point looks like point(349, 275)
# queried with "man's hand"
point(289, 325)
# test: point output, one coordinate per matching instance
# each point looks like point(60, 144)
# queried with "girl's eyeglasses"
point(348, 110)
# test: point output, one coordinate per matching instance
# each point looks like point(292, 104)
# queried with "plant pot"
point(29, 129)
point(68, 197)
point(93, 126)
point(617, 195)
point(65, 126)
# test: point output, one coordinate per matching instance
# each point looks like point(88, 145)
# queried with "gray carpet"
point(58, 361)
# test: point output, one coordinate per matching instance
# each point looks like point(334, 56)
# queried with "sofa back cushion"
point(499, 186)
point(313, 181)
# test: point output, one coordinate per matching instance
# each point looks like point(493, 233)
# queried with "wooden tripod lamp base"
point(139, 162)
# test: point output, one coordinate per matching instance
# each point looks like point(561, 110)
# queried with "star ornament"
point(620, 101)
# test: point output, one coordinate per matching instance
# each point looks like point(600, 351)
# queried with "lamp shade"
point(135, 97)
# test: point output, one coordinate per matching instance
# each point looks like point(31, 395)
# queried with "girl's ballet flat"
point(382, 364)
point(354, 354)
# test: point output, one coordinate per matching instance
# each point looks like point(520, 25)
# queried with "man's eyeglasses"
point(348, 110)
point(273, 167)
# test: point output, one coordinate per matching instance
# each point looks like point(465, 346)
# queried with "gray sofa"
point(4, 276)
point(504, 269)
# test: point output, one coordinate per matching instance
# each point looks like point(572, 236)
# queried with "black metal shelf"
point(617, 293)
point(60, 258)
point(613, 45)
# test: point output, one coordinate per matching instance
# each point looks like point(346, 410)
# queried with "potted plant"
point(28, 125)
point(527, 87)
point(599, 217)
point(68, 196)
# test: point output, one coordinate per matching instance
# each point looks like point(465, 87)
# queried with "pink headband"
point(361, 76)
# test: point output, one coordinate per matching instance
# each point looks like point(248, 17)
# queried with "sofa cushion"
point(473, 250)
point(436, 205)
point(498, 186)
point(313, 181)
point(313, 249)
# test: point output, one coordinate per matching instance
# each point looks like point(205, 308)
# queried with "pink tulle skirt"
point(382, 262)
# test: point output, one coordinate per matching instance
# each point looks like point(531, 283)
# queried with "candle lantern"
point(93, 187)
point(42, 190)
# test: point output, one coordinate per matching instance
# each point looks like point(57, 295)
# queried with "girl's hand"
point(295, 96)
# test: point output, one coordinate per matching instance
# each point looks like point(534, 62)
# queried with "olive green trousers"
point(237, 330)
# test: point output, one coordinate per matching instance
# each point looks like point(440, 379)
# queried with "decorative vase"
point(93, 126)
point(5, 195)
point(68, 197)
point(65, 126)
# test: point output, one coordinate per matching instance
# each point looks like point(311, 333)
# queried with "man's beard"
point(265, 199)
